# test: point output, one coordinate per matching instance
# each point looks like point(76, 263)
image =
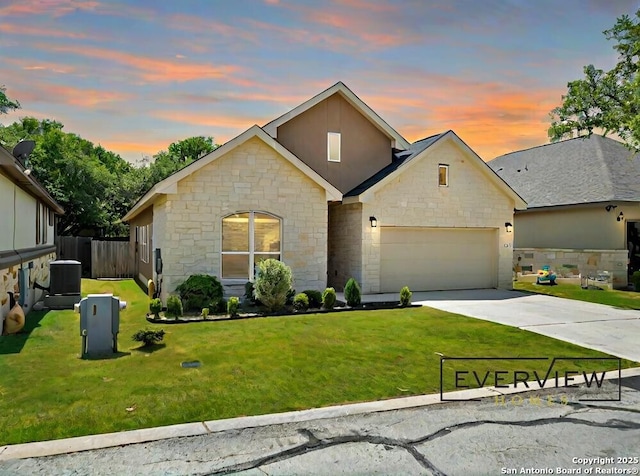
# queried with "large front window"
point(247, 239)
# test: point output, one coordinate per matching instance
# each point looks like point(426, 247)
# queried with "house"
point(27, 235)
point(335, 192)
point(583, 198)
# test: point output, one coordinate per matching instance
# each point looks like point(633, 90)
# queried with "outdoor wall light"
point(610, 207)
point(508, 226)
point(374, 221)
point(620, 217)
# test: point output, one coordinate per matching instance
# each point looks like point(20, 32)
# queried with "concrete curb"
point(108, 440)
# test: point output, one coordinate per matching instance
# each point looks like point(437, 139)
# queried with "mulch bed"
point(369, 306)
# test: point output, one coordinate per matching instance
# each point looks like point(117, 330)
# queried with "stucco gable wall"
point(364, 148)
point(582, 227)
point(413, 198)
point(250, 177)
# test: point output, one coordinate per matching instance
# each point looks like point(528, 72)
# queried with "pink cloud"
point(49, 7)
point(15, 29)
point(153, 69)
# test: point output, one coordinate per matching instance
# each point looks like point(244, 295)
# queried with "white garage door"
point(437, 258)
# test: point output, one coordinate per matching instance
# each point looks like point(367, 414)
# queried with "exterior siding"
point(413, 198)
point(144, 271)
point(578, 227)
point(345, 244)
point(365, 149)
point(250, 177)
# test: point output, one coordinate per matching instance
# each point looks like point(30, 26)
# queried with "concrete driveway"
point(596, 326)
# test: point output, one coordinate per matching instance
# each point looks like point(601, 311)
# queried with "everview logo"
point(502, 372)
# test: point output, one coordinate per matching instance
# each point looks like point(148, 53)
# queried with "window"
point(247, 239)
point(38, 224)
point(143, 243)
point(333, 146)
point(443, 175)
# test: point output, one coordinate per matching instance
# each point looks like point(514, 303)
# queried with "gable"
point(170, 184)
point(413, 195)
point(364, 148)
point(465, 167)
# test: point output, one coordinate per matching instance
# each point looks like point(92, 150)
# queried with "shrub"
point(272, 284)
point(219, 306)
point(205, 312)
point(155, 306)
point(290, 295)
point(174, 306)
point(405, 296)
point(233, 305)
point(301, 302)
point(352, 293)
point(148, 337)
point(635, 279)
point(199, 290)
point(315, 298)
point(329, 298)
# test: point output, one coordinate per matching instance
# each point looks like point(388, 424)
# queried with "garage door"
point(437, 258)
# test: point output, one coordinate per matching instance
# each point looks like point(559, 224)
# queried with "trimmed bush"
point(405, 296)
point(232, 306)
point(199, 290)
point(352, 293)
point(273, 284)
point(155, 306)
point(174, 306)
point(329, 298)
point(635, 279)
point(301, 302)
point(315, 298)
point(148, 337)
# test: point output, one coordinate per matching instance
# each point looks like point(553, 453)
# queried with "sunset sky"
point(135, 76)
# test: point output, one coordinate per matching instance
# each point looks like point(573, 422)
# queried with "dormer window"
point(443, 175)
point(333, 146)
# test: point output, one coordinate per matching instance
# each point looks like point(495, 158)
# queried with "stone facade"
point(251, 177)
point(569, 263)
point(413, 198)
point(9, 282)
point(345, 244)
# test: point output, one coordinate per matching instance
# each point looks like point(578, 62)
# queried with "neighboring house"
point(26, 235)
point(583, 206)
point(334, 192)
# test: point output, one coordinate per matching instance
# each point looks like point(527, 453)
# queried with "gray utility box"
point(99, 324)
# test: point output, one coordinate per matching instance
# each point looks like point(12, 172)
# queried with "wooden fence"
point(99, 258)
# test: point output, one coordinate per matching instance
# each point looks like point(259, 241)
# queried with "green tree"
point(606, 101)
point(178, 155)
point(94, 186)
point(7, 104)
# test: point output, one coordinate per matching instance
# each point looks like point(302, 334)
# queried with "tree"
point(177, 156)
point(94, 186)
point(606, 101)
point(7, 104)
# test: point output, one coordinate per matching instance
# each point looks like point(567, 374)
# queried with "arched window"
point(247, 239)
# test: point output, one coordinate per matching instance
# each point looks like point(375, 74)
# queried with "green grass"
point(249, 367)
point(613, 297)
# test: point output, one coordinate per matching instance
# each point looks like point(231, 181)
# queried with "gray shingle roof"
point(580, 170)
point(399, 157)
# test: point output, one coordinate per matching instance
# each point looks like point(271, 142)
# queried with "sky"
point(135, 76)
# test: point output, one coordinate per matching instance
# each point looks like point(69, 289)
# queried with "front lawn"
point(613, 297)
point(249, 367)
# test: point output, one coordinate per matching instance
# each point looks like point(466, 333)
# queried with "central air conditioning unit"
point(65, 279)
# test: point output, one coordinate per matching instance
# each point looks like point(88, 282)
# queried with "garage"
point(428, 259)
